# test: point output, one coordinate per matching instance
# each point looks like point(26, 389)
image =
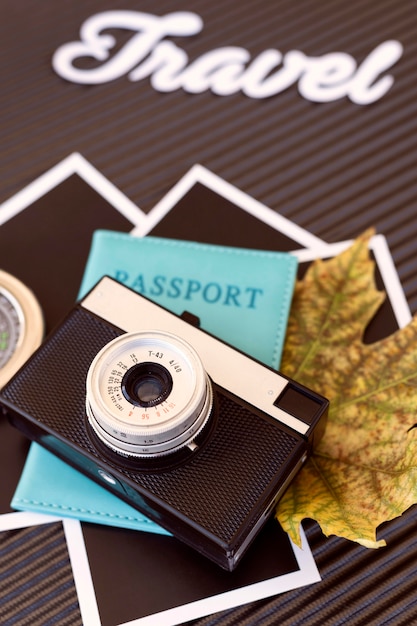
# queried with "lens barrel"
point(147, 394)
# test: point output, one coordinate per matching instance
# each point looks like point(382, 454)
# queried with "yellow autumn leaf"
point(364, 471)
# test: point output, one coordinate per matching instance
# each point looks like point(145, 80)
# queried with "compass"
point(21, 325)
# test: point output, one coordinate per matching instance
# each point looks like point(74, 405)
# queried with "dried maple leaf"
point(364, 471)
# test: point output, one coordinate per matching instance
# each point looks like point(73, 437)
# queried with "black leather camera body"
point(196, 435)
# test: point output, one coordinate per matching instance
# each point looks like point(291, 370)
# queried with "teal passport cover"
point(241, 296)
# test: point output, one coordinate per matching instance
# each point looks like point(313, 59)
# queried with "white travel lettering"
point(223, 71)
point(364, 87)
point(150, 30)
point(336, 75)
point(258, 83)
point(163, 65)
point(326, 78)
point(219, 70)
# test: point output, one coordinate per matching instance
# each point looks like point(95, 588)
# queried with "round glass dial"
point(21, 325)
point(11, 326)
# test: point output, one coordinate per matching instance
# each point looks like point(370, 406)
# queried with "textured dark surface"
point(36, 582)
point(333, 168)
point(359, 586)
point(38, 245)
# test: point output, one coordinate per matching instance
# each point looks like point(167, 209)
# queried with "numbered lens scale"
point(21, 325)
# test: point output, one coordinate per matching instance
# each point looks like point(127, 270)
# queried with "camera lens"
point(147, 394)
point(147, 384)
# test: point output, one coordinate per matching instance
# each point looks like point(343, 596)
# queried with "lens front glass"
point(147, 384)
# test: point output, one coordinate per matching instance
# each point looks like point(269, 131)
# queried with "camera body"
point(196, 435)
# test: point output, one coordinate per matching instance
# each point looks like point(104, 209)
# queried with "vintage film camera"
point(198, 436)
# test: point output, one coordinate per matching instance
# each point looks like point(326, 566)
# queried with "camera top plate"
point(254, 382)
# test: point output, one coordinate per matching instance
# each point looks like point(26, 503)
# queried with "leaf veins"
point(364, 471)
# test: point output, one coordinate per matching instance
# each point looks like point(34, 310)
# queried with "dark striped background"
point(36, 582)
point(360, 587)
point(333, 168)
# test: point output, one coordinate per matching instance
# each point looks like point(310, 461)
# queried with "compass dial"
point(11, 326)
point(21, 325)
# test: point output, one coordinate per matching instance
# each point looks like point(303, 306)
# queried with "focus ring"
point(147, 394)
